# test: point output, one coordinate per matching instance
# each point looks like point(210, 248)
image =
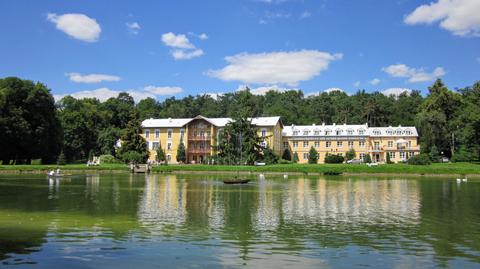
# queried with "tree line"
point(34, 126)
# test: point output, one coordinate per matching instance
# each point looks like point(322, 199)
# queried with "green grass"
point(437, 168)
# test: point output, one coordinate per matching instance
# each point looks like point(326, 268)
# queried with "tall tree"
point(312, 156)
point(134, 147)
point(181, 154)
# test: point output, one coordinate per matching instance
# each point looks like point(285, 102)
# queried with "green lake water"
point(196, 221)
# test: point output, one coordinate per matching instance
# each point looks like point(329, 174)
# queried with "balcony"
point(199, 138)
point(199, 151)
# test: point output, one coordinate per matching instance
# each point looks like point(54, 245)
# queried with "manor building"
point(200, 135)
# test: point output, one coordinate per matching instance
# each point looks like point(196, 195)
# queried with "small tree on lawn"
point(181, 155)
point(367, 158)
point(295, 157)
point(389, 161)
point(61, 158)
point(312, 156)
point(287, 155)
point(160, 155)
point(434, 154)
point(350, 154)
point(134, 147)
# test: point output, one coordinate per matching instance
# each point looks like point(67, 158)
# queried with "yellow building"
point(400, 142)
point(200, 135)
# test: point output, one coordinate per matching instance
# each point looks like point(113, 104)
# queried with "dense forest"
point(34, 126)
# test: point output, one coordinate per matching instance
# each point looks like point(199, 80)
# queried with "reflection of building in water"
point(163, 201)
point(93, 185)
point(267, 217)
point(383, 201)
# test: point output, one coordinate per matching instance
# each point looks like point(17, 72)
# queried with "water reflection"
point(274, 222)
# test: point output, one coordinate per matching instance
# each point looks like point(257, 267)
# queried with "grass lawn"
point(437, 168)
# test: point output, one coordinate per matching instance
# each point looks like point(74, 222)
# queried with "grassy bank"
point(437, 168)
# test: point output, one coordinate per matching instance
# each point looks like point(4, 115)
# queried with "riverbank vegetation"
point(33, 125)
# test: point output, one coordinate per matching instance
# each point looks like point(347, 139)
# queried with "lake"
point(196, 221)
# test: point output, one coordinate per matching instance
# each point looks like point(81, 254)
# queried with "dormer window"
point(339, 132)
point(361, 132)
point(295, 132)
point(317, 132)
point(350, 132)
point(305, 132)
point(376, 132)
point(328, 132)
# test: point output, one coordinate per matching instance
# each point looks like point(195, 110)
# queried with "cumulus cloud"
point(457, 16)
point(263, 90)
point(396, 91)
point(203, 36)
point(305, 15)
point(374, 81)
point(91, 78)
point(133, 27)
point(183, 48)
point(413, 74)
point(275, 67)
point(104, 94)
point(186, 54)
point(329, 90)
point(78, 26)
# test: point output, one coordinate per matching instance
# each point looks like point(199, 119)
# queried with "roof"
point(348, 130)
point(219, 122)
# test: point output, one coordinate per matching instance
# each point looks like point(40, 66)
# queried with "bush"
point(331, 158)
point(295, 157)
point(420, 159)
point(389, 160)
point(287, 155)
point(61, 160)
point(351, 154)
point(367, 158)
point(133, 156)
point(107, 158)
point(312, 156)
point(282, 161)
point(269, 157)
point(463, 155)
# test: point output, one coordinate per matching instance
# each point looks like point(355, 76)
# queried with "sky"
point(177, 48)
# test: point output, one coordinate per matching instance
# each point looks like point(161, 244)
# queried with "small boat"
point(236, 181)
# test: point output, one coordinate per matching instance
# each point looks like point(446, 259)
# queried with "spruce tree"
point(295, 157)
point(287, 155)
point(312, 156)
point(367, 158)
point(181, 154)
point(161, 155)
point(134, 147)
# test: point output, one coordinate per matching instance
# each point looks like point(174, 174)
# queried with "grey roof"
point(348, 130)
point(219, 122)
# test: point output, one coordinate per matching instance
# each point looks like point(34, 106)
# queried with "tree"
point(312, 156)
point(287, 155)
point(367, 158)
point(181, 155)
point(160, 157)
point(269, 157)
point(107, 140)
point(29, 126)
point(295, 157)
point(434, 154)
point(350, 154)
point(61, 159)
point(134, 145)
point(389, 160)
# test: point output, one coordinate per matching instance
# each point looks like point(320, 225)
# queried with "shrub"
point(331, 158)
point(434, 154)
point(132, 156)
point(367, 158)
point(463, 155)
point(389, 161)
point(351, 154)
point(107, 158)
point(61, 159)
point(420, 159)
point(282, 161)
point(312, 156)
point(295, 157)
point(269, 157)
point(287, 155)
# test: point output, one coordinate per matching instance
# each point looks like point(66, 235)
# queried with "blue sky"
point(176, 48)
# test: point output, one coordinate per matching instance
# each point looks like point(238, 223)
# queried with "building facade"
point(200, 136)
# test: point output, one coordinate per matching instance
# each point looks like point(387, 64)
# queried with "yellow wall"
point(164, 140)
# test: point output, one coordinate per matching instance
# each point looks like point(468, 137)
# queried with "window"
point(361, 132)
point(305, 156)
point(328, 132)
point(408, 132)
point(350, 132)
point(169, 157)
point(155, 145)
point(350, 144)
point(390, 144)
point(409, 144)
point(264, 144)
point(285, 144)
point(169, 146)
point(376, 132)
point(339, 144)
point(147, 133)
point(182, 134)
point(305, 144)
point(157, 133)
point(295, 132)
point(376, 145)
point(317, 144)
point(339, 132)
point(392, 155)
point(305, 132)
point(148, 145)
point(169, 133)
point(328, 144)
point(402, 155)
point(264, 132)
point(317, 133)
point(361, 143)
point(295, 144)
point(202, 134)
point(362, 156)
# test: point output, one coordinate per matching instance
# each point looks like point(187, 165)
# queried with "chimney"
point(334, 124)
point(313, 124)
point(169, 119)
point(323, 123)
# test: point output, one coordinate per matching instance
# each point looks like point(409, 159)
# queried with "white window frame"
point(328, 144)
point(339, 144)
point(169, 146)
point(295, 144)
point(157, 133)
point(147, 134)
point(317, 144)
point(169, 133)
point(305, 144)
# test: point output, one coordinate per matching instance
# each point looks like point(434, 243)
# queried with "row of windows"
point(328, 132)
point(156, 145)
point(328, 144)
point(169, 133)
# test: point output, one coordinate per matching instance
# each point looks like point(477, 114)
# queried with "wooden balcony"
point(199, 138)
point(199, 151)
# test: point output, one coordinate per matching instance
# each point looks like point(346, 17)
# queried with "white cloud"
point(275, 67)
point(133, 27)
point(413, 74)
point(91, 78)
point(186, 54)
point(263, 90)
point(177, 41)
point(374, 81)
point(163, 90)
point(104, 94)
point(356, 84)
point(184, 50)
point(305, 15)
point(203, 36)
point(461, 17)
point(78, 26)
point(329, 90)
point(396, 91)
